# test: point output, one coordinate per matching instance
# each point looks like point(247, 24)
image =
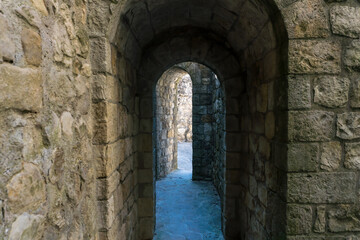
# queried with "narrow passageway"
point(186, 209)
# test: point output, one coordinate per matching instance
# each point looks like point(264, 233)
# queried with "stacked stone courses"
point(323, 156)
point(77, 84)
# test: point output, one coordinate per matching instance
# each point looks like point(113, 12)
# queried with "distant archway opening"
point(195, 115)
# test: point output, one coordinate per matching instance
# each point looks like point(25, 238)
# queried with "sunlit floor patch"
point(186, 210)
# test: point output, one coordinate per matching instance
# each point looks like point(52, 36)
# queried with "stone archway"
point(166, 121)
point(278, 136)
point(250, 70)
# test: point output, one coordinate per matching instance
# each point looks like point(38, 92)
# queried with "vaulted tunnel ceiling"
point(235, 25)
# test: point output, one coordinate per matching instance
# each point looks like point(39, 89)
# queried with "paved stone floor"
point(186, 210)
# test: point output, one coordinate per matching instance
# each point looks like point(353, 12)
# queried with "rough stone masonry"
point(77, 82)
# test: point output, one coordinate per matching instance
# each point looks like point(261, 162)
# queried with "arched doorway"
point(239, 43)
point(207, 153)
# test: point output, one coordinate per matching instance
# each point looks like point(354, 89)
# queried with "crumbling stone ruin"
point(77, 114)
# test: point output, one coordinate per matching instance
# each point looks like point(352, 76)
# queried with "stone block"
point(344, 218)
point(270, 125)
point(106, 88)
point(107, 213)
point(345, 21)
point(63, 49)
point(146, 207)
point(352, 56)
point(263, 194)
point(253, 186)
point(348, 125)
point(299, 219)
point(146, 190)
point(330, 159)
point(331, 91)
point(302, 157)
point(355, 94)
point(26, 190)
point(314, 56)
point(146, 228)
point(311, 126)
point(127, 186)
point(352, 156)
point(299, 92)
point(106, 186)
point(262, 98)
point(31, 43)
point(107, 116)
point(27, 226)
point(40, 6)
point(67, 121)
point(7, 46)
point(109, 157)
point(320, 221)
point(145, 176)
point(322, 187)
point(20, 88)
point(205, 99)
point(126, 167)
point(272, 68)
point(145, 142)
point(100, 55)
point(310, 20)
point(264, 148)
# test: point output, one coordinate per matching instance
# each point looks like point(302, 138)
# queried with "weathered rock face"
point(47, 182)
point(348, 125)
point(31, 42)
point(352, 157)
point(22, 88)
point(351, 58)
point(26, 190)
point(314, 56)
point(311, 126)
point(7, 46)
point(27, 226)
point(310, 20)
point(331, 91)
point(345, 21)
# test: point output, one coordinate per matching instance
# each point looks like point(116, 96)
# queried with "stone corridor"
point(186, 209)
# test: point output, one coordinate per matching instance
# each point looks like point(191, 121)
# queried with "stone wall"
point(47, 169)
point(116, 125)
point(166, 119)
point(323, 103)
point(203, 82)
point(219, 129)
point(184, 116)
